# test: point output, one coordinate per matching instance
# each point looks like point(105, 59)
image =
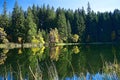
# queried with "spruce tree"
point(61, 24)
point(68, 29)
point(17, 26)
point(15, 22)
point(4, 21)
point(31, 27)
point(79, 23)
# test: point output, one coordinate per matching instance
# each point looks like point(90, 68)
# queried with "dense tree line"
point(90, 26)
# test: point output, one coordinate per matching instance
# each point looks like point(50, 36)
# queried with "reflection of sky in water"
point(97, 76)
point(8, 77)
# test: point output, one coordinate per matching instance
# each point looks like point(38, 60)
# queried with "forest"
point(23, 34)
point(61, 25)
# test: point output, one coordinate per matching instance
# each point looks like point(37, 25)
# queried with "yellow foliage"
point(5, 41)
point(19, 51)
point(64, 49)
point(1, 29)
point(20, 39)
point(5, 51)
point(35, 50)
point(42, 40)
point(54, 53)
point(38, 40)
point(3, 36)
point(57, 53)
point(76, 49)
point(54, 36)
point(42, 50)
point(38, 51)
point(75, 37)
point(34, 40)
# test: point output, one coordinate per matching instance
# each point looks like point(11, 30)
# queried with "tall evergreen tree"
point(42, 17)
point(69, 29)
point(21, 26)
point(17, 26)
point(50, 17)
point(88, 8)
point(88, 24)
point(15, 22)
point(35, 13)
point(79, 23)
point(31, 28)
point(69, 15)
point(4, 21)
point(5, 8)
point(61, 24)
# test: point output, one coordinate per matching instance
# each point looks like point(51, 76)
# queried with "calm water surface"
point(61, 63)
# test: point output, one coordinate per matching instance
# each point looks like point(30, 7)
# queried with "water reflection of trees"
point(3, 56)
point(58, 61)
point(18, 64)
point(55, 52)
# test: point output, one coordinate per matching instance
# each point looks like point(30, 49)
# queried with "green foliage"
point(90, 26)
point(4, 20)
point(88, 8)
point(18, 20)
point(30, 25)
point(79, 23)
point(69, 31)
point(61, 24)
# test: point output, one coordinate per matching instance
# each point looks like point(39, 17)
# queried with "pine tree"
point(15, 15)
point(21, 21)
point(79, 23)
point(49, 18)
point(5, 8)
point(83, 13)
point(4, 21)
point(42, 17)
point(35, 13)
point(15, 22)
point(61, 24)
point(31, 27)
point(68, 30)
point(18, 19)
point(88, 23)
point(88, 9)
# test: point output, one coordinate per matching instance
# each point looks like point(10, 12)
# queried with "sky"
point(96, 5)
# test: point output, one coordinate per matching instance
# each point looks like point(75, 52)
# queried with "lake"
point(68, 62)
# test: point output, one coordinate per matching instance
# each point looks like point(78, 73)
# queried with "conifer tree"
point(68, 30)
point(17, 26)
point(79, 23)
point(4, 21)
point(61, 24)
point(31, 27)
